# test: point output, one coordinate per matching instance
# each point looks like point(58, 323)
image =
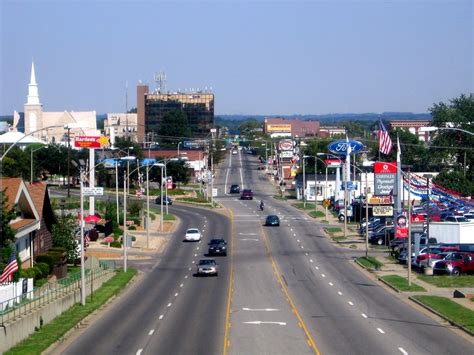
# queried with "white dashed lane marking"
point(364, 315)
point(176, 294)
point(380, 330)
point(139, 351)
point(169, 305)
point(322, 275)
point(161, 317)
point(339, 293)
point(350, 303)
point(181, 285)
point(331, 284)
point(151, 332)
point(403, 351)
point(310, 260)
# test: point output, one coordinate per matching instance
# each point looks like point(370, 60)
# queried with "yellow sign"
point(326, 203)
point(279, 128)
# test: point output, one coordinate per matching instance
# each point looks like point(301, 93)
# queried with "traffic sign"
point(92, 191)
point(326, 203)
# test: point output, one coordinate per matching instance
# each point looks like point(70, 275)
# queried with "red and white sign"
point(333, 162)
point(169, 183)
point(381, 167)
point(91, 141)
point(401, 229)
point(286, 144)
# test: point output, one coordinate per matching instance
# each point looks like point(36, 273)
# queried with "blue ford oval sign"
point(340, 147)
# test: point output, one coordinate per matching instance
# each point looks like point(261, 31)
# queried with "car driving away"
point(247, 194)
point(207, 267)
point(192, 235)
point(234, 189)
point(272, 220)
point(217, 247)
point(166, 201)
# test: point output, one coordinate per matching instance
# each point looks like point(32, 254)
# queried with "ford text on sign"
point(340, 147)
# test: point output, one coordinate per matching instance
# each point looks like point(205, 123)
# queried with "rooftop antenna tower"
point(160, 79)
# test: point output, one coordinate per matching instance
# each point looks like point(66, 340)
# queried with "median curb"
point(389, 285)
point(411, 298)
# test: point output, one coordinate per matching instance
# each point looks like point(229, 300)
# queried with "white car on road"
point(192, 235)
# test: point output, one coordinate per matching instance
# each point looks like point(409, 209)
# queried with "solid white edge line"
point(380, 330)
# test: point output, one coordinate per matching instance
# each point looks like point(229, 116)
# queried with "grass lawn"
point(300, 205)
point(332, 230)
point(317, 214)
point(449, 281)
point(369, 262)
point(449, 309)
point(401, 283)
point(53, 331)
point(339, 239)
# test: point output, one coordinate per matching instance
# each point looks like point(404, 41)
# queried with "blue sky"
point(260, 57)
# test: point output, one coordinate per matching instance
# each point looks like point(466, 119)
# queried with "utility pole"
point(68, 161)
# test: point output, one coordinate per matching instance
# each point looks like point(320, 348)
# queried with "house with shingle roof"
point(27, 219)
point(42, 240)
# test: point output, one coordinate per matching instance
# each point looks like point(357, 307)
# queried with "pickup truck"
point(456, 264)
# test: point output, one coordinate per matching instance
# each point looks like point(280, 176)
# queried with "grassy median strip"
point(449, 281)
point(53, 331)
point(450, 309)
point(401, 283)
point(369, 262)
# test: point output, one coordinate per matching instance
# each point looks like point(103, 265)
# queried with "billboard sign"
point(401, 228)
point(380, 211)
point(286, 154)
point(169, 183)
point(91, 141)
point(278, 128)
point(381, 167)
point(93, 191)
point(380, 200)
point(286, 144)
point(385, 184)
point(340, 147)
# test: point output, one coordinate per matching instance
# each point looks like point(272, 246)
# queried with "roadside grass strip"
point(449, 281)
point(401, 283)
point(300, 206)
point(333, 230)
point(449, 309)
point(339, 239)
point(53, 331)
point(317, 214)
point(369, 262)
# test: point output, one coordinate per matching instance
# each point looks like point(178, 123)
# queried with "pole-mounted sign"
point(340, 147)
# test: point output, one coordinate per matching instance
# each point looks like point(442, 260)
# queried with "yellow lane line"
point(230, 286)
point(309, 337)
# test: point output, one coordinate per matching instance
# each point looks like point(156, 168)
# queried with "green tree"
point(64, 235)
point(179, 171)
point(173, 127)
point(452, 150)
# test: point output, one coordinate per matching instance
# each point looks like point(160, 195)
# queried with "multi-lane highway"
point(280, 290)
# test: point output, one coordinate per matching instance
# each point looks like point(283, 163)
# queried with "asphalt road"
point(169, 311)
point(294, 292)
point(281, 290)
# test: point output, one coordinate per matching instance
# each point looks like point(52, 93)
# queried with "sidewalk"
point(156, 242)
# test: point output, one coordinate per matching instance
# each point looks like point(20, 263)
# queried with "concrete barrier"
point(14, 331)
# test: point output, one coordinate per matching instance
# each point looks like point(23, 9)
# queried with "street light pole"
point(315, 184)
point(83, 271)
point(116, 191)
point(124, 241)
point(409, 229)
point(148, 209)
point(304, 183)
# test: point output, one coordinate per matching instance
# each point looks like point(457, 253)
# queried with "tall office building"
point(197, 105)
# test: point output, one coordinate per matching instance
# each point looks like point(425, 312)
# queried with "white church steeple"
point(33, 96)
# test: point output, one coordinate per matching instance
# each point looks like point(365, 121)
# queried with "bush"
point(134, 208)
point(134, 238)
point(38, 274)
point(46, 259)
point(132, 228)
point(30, 273)
point(44, 268)
point(58, 257)
point(116, 244)
point(58, 249)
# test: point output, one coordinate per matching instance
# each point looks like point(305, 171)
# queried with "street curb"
point(389, 285)
point(363, 267)
point(441, 315)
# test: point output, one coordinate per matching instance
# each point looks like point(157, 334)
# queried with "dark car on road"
point(217, 247)
point(272, 220)
point(247, 194)
point(166, 201)
point(234, 189)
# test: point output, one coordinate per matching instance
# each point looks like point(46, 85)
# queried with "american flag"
point(385, 143)
point(10, 269)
